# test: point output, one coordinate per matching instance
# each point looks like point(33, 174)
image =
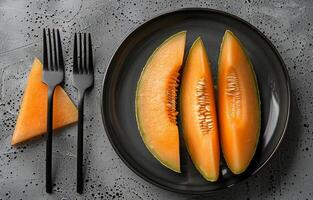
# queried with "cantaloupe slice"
point(238, 104)
point(32, 118)
point(198, 112)
point(156, 101)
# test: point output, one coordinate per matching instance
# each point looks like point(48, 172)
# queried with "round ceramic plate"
point(119, 89)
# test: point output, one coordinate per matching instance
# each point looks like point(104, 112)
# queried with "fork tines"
point(80, 64)
point(55, 51)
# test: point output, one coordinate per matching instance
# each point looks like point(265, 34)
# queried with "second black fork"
point(83, 78)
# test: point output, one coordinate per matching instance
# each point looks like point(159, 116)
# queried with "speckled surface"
point(287, 23)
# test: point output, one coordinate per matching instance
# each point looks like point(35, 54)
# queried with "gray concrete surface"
point(287, 23)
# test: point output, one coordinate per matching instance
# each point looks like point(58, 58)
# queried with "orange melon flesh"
point(239, 105)
point(198, 112)
point(156, 99)
point(32, 118)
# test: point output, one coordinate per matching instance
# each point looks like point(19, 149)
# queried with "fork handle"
point(49, 141)
point(80, 144)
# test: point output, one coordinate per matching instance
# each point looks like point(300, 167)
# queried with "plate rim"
point(215, 11)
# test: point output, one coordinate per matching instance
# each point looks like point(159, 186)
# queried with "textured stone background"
point(287, 23)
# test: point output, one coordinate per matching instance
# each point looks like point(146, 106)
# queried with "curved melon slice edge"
point(202, 145)
point(239, 170)
point(173, 165)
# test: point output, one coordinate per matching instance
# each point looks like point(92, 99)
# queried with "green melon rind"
point(204, 175)
point(163, 162)
point(257, 94)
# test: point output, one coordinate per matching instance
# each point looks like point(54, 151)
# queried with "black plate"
point(118, 98)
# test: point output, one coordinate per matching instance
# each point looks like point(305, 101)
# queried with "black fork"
point(53, 75)
point(83, 78)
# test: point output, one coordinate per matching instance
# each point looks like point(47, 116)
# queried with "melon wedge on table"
point(156, 101)
point(32, 118)
point(239, 104)
point(198, 112)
